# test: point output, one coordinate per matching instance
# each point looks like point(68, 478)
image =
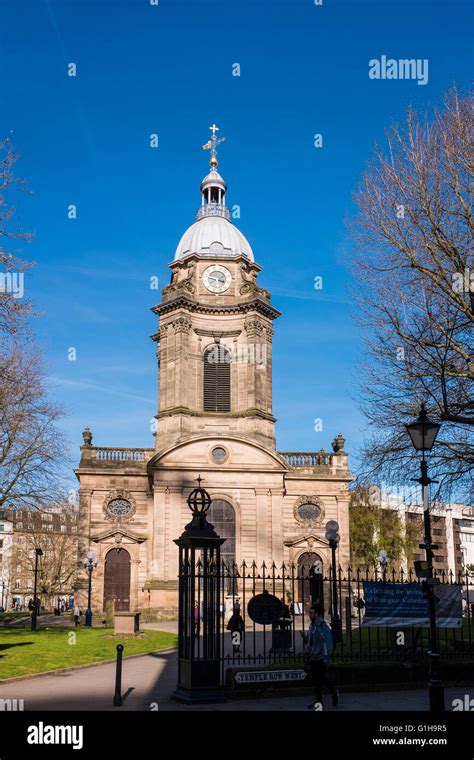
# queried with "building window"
point(1, 543)
point(118, 507)
point(219, 454)
point(17, 583)
point(30, 584)
point(309, 512)
point(63, 528)
point(221, 515)
point(216, 392)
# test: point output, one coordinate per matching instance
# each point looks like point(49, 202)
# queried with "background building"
point(452, 528)
point(55, 532)
point(6, 542)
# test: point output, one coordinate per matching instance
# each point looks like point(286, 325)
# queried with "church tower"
point(215, 331)
point(214, 421)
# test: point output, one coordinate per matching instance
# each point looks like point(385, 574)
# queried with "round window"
point(219, 455)
point(119, 507)
point(309, 512)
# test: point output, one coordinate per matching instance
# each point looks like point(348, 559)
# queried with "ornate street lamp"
point(90, 563)
point(383, 559)
point(332, 535)
point(423, 434)
point(34, 611)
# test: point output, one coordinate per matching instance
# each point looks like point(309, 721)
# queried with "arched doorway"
point(221, 515)
point(310, 583)
point(117, 579)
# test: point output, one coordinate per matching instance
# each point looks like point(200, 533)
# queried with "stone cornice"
point(181, 302)
point(217, 333)
point(213, 260)
point(221, 415)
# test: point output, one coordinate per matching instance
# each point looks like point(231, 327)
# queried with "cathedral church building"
point(215, 420)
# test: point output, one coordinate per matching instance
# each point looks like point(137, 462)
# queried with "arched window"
point(221, 515)
point(217, 379)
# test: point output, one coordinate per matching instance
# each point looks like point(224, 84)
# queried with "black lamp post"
point(423, 434)
point(90, 563)
point(332, 535)
point(3, 594)
point(34, 611)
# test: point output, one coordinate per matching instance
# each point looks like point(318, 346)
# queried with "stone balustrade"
point(322, 458)
point(105, 455)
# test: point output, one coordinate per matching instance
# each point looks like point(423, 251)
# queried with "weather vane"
point(212, 145)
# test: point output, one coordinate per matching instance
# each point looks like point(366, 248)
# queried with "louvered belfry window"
point(217, 379)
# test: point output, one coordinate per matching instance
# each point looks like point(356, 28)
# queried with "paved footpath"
point(148, 681)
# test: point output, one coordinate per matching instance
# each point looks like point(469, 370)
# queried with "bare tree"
point(32, 447)
point(414, 273)
point(33, 451)
point(13, 304)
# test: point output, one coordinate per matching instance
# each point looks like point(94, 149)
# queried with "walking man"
point(318, 648)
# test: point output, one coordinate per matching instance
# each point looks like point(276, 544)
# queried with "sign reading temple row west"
point(270, 676)
point(404, 604)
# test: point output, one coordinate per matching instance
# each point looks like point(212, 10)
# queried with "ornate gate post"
point(199, 673)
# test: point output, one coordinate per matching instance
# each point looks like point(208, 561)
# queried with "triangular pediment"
point(310, 540)
point(119, 533)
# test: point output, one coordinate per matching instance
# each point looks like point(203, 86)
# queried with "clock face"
point(217, 279)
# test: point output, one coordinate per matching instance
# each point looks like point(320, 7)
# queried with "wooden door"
point(117, 579)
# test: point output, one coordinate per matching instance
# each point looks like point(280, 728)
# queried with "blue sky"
point(167, 69)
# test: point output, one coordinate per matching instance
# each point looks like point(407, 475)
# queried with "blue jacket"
point(319, 643)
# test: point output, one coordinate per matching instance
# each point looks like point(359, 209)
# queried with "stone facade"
point(134, 500)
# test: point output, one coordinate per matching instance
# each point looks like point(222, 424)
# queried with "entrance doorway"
point(117, 579)
point(310, 574)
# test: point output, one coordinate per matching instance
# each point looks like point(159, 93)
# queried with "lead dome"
point(213, 233)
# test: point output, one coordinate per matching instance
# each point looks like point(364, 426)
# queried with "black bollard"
point(118, 677)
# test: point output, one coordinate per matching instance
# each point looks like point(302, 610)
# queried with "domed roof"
point(213, 236)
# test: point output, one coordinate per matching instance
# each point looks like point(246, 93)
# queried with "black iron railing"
point(281, 642)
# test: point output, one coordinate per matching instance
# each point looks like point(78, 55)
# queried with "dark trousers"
point(320, 679)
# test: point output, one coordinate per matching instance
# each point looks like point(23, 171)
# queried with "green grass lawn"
point(23, 652)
